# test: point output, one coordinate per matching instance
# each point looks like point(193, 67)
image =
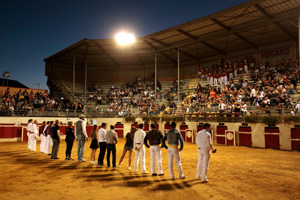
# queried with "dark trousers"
point(111, 148)
point(102, 146)
point(55, 148)
point(69, 148)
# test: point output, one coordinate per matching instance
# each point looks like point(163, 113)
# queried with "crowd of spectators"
point(271, 86)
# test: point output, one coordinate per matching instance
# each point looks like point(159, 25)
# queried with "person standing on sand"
point(70, 137)
point(81, 136)
point(128, 147)
point(138, 144)
point(111, 141)
point(102, 143)
point(173, 136)
point(203, 141)
point(154, 136)
point(94, 144)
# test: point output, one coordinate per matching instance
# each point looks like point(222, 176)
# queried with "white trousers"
point(29, 141)
point(221, 80)
point(235, 73)
point(140, 152)
point(42, 144)
point(230, 76)
point(246, 69)
point(32, 141)
point(155, 151)
point(211, 80)
point(174, 153)
point(203, 161)
point(48, 143)
point(215, 81)
point(225, 80)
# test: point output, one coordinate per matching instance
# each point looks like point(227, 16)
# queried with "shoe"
point(197, 178)
point(93, 162)
point(67, 158)
point(136, 171)
point(71, 159)
point(129, 168)
point(118, 166)
point(154, 174)
point(114, 166)
point(182, 177)
point(83, 160)
point(49, 154)
point(102, 164)
point(172, 178)
point(160, 174)
point(145, 172)
point(56, 158)
point(108, 165)
point(205, 181)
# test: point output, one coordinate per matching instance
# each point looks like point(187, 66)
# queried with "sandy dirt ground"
point(234, 173)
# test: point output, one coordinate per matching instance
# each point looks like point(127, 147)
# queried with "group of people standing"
point(136, 139)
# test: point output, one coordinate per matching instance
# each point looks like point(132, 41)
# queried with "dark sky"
point(31, 30)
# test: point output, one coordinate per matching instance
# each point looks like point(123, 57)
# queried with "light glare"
point(124, 38)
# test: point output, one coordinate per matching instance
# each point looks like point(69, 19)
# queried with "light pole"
point(5, 75)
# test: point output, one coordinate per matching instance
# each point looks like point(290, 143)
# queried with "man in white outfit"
point(138, 144)
point(48, 140)
point(203, 141)
point(30, 133)
point(35, 136)
point(174, 137)
point(154, 136)
point(42, 136)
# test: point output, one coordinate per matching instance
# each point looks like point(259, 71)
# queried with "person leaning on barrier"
point(173, 136)
point(154, 136)
point(203, 141)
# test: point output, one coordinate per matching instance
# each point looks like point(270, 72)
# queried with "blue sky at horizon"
point(33, 30)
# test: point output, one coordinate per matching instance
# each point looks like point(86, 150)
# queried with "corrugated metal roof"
point(249, 25)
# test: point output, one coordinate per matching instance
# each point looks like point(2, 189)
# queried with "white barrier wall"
point(258, 137)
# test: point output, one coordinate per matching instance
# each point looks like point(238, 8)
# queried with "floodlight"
point(124, 38)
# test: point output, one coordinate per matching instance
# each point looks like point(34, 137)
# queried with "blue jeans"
point(80, 149)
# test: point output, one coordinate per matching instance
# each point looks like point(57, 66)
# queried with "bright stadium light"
point(124, 38)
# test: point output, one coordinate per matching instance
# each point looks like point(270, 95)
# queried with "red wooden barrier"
point(221, 134)
point(167, 127)
point(245, 136)
point(119, 128)
point(182, 129)
point(272, 137)
point(295, 138)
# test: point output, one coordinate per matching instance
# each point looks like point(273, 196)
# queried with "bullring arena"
point(237, 69)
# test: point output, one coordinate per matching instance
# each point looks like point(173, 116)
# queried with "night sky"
point(31, 30)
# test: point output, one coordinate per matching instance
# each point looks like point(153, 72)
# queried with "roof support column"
point(178, 61)
point(299, 40)
point(85, 81)
point(155, 72)
point(74, 59)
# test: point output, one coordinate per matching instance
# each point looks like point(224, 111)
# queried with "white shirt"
point(203, 140)
point(102, 135)
point(253, 93)
point(45, 129)
point(138, 140)
point(35, 129)
point(83, 128)
point(29, 128)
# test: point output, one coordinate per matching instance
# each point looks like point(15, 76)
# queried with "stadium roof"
point(247, 26)
point(11, 83)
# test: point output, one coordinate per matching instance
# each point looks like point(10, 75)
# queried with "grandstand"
point(245, 32)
